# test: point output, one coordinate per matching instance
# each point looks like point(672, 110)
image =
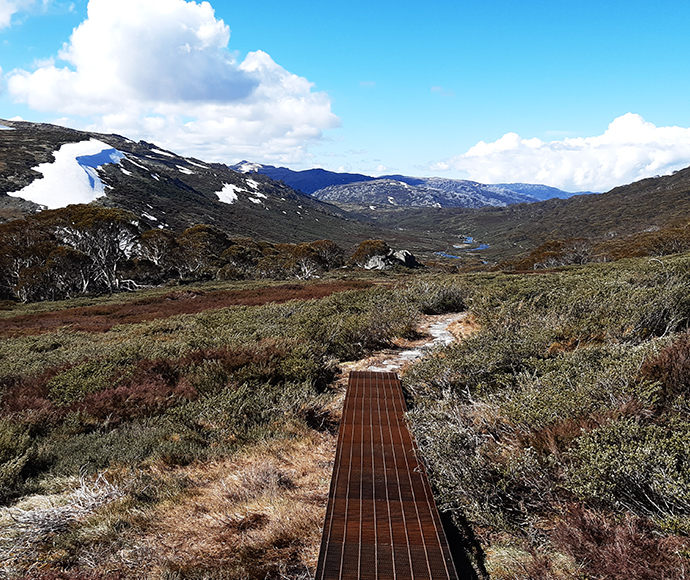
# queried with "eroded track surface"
point(381, 520)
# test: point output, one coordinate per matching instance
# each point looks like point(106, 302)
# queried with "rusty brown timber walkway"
point(381, 520)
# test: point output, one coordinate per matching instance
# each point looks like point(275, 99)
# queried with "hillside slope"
point(165, 189)
point(422, 192)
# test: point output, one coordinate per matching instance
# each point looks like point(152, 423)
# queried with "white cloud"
point(629, 150)
point(443, 92)
point(160, 70)
point(10, 7)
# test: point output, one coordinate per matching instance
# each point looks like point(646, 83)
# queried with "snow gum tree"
point(200, 249)
point(107, 236)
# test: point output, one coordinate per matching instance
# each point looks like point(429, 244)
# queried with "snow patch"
point(148, 216)
point(160, 152)
point(441, 337)
point(128, 173)
point(229, 193)
point(5, 128)
point(254, 184)
point(73, 176)
point(248, 167)
point(139, 165)
point(197, 164)
point(254, 200)
point(155, 177)
point(184, 170)
point(259, 194)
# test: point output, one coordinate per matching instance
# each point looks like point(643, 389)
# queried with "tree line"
point(84, 249)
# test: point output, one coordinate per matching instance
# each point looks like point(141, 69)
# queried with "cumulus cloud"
point(161, 70)
point(629, 150)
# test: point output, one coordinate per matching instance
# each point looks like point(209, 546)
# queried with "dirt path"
point(442, 329)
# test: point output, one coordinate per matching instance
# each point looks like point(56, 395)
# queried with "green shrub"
point(484, 363)
point(492, 483)
point(633, 466)
point(435, 296)
point(17, 459)
point(571, 385)
point(89, 377)
point(367, 250)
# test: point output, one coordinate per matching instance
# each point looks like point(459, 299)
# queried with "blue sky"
point(581, 95)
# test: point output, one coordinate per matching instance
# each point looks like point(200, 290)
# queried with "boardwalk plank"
point(381, 521)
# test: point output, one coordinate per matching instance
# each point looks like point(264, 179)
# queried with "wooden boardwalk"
point(381, 520)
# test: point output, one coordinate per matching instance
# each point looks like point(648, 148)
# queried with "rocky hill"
point(428, 192)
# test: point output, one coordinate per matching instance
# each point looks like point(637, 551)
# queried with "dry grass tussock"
point(257, 515)
point(25, 528)
point(464, 327)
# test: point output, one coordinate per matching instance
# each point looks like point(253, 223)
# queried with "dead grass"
point(102, 318)
point(621, 548)
point(465, 327)
point(258, 515)
point(507, 561)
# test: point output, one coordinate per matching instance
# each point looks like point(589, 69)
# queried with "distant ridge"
point(307, 181)
point(353, 190)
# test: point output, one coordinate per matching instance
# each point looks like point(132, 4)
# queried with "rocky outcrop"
point(392, 259)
